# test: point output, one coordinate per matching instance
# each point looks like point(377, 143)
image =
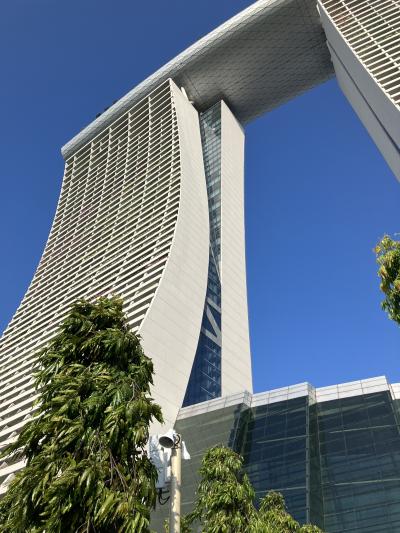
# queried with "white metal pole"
point(175, 510)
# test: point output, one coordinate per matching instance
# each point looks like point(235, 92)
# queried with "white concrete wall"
point(236, 359)
point(384, 143)
point(170, 331)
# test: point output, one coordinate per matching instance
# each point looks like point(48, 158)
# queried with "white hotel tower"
point(151, 206)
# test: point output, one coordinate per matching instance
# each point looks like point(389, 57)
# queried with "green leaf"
point(86, 464)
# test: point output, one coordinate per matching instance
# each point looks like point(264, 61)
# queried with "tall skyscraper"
point(134, 219)
point(151, 206)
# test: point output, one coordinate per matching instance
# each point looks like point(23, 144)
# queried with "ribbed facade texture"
point(363, 39)
point(113, 231)
point(371, 29)
point(140, 216)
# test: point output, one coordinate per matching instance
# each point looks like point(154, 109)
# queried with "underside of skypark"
point(277, 49)
point(264, 56)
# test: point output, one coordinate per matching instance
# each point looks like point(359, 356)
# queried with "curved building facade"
point(132, 219)
point(151, 209)
point(152, 201)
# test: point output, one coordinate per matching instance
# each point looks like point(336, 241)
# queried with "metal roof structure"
point(262, 57)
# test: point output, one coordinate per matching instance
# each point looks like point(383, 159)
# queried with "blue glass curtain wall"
point(336, 462)
point(360, 464)
point(205, 378)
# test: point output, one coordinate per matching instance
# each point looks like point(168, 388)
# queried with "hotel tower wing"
point(152, 200)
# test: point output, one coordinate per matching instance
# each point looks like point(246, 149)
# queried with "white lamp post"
point(173, 441)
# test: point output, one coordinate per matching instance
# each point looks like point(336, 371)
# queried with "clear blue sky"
point(318, 193)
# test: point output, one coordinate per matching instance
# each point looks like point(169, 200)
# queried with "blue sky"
point(318, 193)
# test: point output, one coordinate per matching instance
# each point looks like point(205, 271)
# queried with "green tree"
point(87, 468)
point(274, 518)
point(388, 258)
point(225, 499)
point(224, 496)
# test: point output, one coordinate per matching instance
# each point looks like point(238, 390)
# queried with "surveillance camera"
point(168, 440)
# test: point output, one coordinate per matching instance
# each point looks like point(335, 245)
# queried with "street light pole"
point(176, 481)
point(173, 441)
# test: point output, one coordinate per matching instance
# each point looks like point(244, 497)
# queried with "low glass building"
point(333, 452)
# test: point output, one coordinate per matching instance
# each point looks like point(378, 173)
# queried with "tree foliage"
point(274, 518)
point(224, 496)
point(225, 500)
point(388, 258)
point(87, 470)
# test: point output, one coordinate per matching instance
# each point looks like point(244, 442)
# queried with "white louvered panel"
point(372, 30)
point(112, 234)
